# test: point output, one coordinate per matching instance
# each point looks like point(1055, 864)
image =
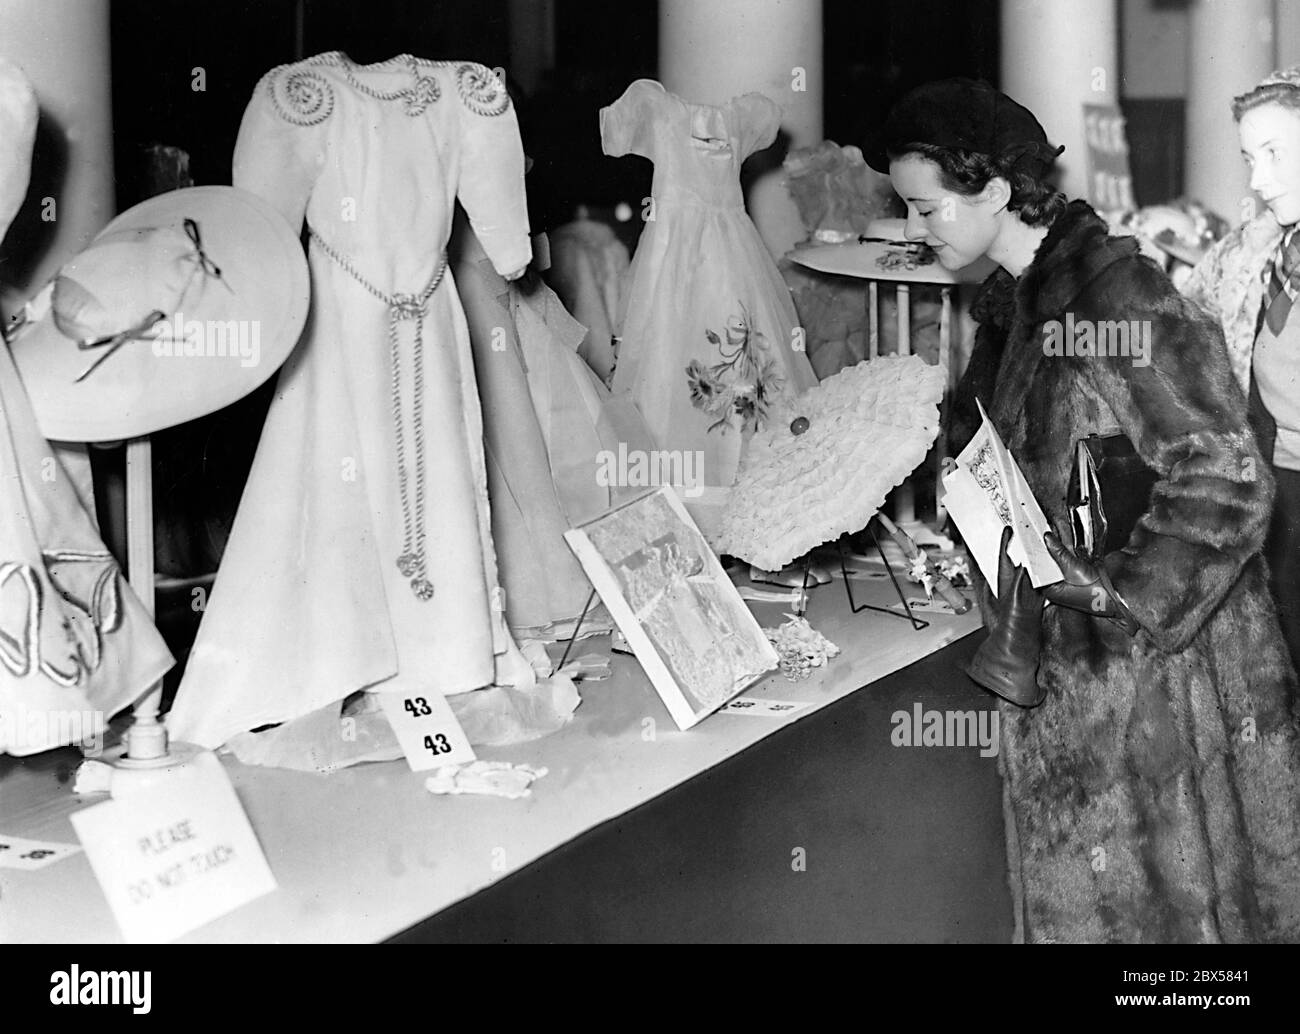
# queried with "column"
point(713, 50)
point(1230, 49)
point(532, 41)
point(1286, 31)
point(63, 46)
point(1057, 57)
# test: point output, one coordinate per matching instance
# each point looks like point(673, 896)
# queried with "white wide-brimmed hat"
point(183, 304)
point(883, 253)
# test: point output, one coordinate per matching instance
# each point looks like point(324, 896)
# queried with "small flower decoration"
point(800, 647)
point(703, 390)
point(741, 384)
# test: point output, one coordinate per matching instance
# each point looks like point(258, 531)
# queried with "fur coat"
point(1229, 283)
point(1155, 795)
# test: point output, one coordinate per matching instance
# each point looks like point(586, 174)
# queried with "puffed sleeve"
point(18, 117)
point(490, 183)
point(281, 145)
point(627, 125)
point(1186, 416)
point(757, 120)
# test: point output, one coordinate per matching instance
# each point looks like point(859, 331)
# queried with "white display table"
point(364, 853)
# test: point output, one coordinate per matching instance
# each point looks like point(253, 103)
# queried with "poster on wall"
point(1110, 182)
point(678, 610)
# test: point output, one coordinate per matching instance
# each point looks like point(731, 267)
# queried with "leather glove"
point(1007, 661)
point(1086, 587)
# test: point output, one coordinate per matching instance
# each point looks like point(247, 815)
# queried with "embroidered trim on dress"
point(103, 613)
point(300, 96)
point(481, 89)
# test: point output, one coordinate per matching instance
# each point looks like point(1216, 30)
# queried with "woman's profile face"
point(1270, 144)
point(961, 229)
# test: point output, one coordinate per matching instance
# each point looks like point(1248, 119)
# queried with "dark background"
point(874, 52)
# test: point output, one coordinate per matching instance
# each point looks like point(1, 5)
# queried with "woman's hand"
point(1086, 587)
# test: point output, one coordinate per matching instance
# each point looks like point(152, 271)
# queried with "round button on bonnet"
point(799, 425)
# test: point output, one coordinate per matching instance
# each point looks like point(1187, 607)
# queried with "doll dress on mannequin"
point(708, 335)
point(76, 644)
point(338, 577)
point(544, 584)
point(589, 273)
point(551, 430)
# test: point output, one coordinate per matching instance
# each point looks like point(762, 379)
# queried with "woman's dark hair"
point(968, 172)
point(1274, 93)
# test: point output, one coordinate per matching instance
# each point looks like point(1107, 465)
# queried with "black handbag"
point(1110, 489)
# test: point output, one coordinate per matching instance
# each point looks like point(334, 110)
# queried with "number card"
point(761, 708)
point(175, 855)
point(427, 730)
point(922, 605)
point(17, 853)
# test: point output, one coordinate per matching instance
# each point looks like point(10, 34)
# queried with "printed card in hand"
point(986, 492)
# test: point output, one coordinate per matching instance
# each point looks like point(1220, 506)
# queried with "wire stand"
point(576, 628)
point(855, 607)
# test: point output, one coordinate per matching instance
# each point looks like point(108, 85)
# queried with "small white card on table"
point(18, 853)
point(761, 708)
point(175, 855)
point(427, 730)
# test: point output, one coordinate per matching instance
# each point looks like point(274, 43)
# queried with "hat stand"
point(149, 758)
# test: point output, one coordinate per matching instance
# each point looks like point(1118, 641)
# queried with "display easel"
point(855, 607)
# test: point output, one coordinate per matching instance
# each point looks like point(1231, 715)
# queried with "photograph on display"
point(679, 611)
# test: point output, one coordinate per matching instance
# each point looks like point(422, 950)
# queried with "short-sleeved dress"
point(362, 554)
point(709, 335)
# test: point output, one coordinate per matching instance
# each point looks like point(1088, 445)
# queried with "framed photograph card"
point(678, 610)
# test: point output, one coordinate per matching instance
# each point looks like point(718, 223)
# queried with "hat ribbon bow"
point(143, 329)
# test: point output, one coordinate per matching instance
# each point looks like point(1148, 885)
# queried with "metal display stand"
point(855, 607)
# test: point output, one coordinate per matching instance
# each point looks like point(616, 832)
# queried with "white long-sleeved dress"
point(318, 595)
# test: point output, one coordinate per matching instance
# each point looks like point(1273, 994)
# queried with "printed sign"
point(175, 855)
point(1110, 183)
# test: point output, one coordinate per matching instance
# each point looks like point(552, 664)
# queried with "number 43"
point(437, 744)
point(418, 707)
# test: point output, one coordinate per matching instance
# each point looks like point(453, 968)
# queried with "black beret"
point(967, 115)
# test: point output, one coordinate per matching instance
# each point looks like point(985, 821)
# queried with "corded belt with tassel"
point(411, 563)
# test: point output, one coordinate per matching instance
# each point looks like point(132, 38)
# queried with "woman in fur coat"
point(1153, 794)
